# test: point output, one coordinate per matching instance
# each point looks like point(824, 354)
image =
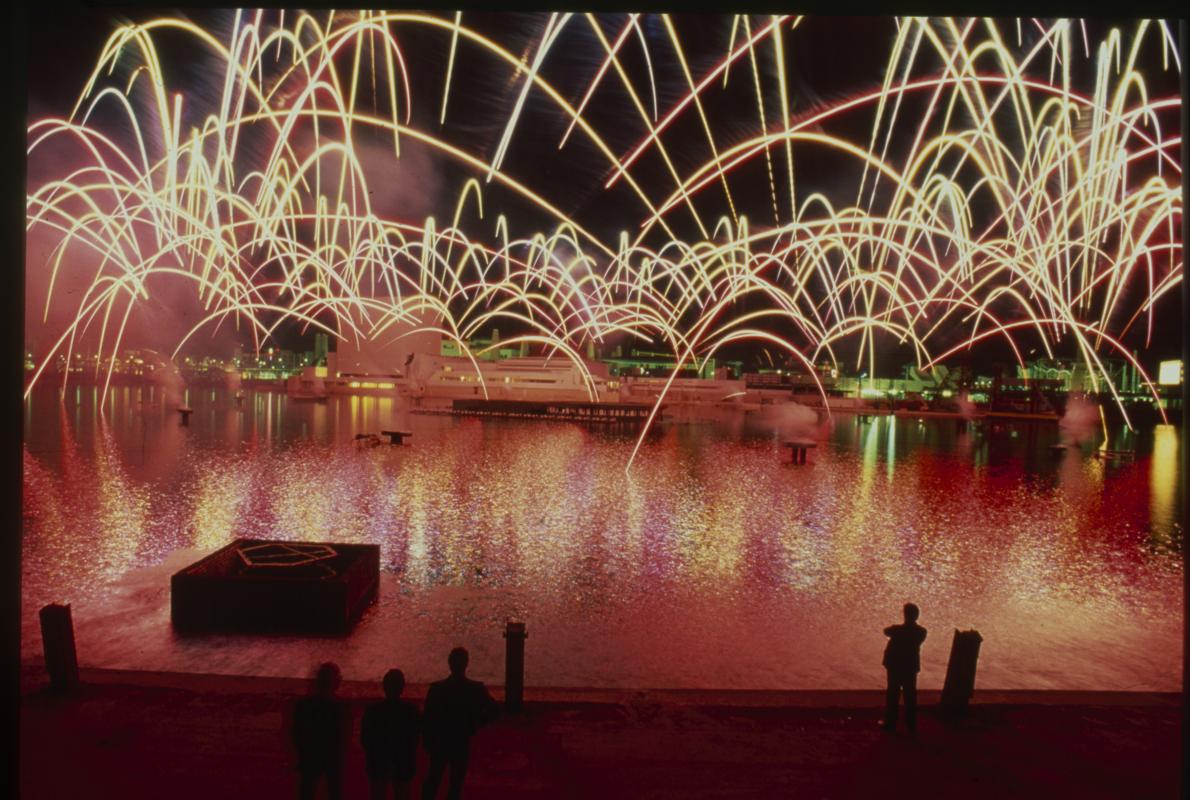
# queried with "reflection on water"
point(713, 564)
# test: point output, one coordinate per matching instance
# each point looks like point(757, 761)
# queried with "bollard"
point(960, 672)
point(185, 411)
point(514, 666)
point(57, 639)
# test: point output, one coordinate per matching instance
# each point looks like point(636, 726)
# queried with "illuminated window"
point(354, 384)
point(1169, 373)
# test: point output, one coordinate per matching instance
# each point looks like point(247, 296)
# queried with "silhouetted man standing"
point(902, 661)
point(321, 725)
point(455, 708)
point(388, 733)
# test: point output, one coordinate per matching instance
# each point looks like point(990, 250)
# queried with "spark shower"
point(1012, 181)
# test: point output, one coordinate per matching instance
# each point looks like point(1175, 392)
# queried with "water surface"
point(712, 565)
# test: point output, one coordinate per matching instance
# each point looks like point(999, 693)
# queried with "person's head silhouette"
point(394, 683)
point(327, 679)
point(457, 660)
point(911, 613)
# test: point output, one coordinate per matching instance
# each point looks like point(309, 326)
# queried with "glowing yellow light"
point(1169, 373)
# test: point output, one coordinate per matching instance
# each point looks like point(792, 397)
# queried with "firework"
point(1017, 201)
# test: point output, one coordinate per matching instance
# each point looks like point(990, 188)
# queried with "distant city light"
point(1169, 373)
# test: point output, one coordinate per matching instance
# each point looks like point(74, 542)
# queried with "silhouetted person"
point(321, 726)
point(388, 733)
point(902, 662)
point(455, 708)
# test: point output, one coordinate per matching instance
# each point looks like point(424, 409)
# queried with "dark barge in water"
point(270, 586)
point(590, 413)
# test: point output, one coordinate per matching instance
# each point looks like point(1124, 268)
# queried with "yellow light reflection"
point(1163, 482)
point(216, 509)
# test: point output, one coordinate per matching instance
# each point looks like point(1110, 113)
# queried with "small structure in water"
point(185, 411)
point(269, 586)
point(797, 450)
point(625, 414)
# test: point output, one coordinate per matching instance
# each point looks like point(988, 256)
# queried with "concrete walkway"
point(169, 735)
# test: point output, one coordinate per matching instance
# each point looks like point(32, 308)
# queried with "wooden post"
point(57, 639)
point(514, 666)
point(960, 672)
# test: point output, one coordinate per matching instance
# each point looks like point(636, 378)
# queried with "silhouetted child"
point(388, 733)
point(321, 726)
point(455, 709)
point(902, 662)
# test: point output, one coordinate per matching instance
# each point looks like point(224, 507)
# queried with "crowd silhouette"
point(389, 732)
point(902, 662)
point(456, 707)
point(321, 726)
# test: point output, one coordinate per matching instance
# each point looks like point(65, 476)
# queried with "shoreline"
point(185, 735)
point(34, 679)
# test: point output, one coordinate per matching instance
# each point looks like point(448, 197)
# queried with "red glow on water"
point(713, 565)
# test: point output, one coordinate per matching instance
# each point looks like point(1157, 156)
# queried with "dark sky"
point(827, 61)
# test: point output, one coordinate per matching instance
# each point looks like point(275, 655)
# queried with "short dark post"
point(514, 667)
point(185, 411)
point(960, 672)
point(57, 639)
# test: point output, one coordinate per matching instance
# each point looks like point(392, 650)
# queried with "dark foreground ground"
point(155, 735)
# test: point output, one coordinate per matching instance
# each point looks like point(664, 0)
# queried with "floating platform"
point(269, 586)
point(588, 413)
point(797, 450)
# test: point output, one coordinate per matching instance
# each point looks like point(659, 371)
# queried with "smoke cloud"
point(1079, 422)
point(797, 422)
